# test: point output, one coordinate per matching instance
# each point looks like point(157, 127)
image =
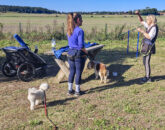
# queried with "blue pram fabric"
point(21, 42)
point(13, 48)
point(59, 52)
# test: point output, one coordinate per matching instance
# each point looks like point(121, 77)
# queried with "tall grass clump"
point(117, 33)
point(92, 34)
point(161, 27)
point(102, 35)
point(47, 32)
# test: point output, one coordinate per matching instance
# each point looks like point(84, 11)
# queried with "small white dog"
point(35, 95)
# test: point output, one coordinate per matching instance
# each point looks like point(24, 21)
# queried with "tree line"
point(146, 11)
point(26, 9)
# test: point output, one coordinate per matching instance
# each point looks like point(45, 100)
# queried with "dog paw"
point(32, 109)
point(106, 81)
point(101, 82)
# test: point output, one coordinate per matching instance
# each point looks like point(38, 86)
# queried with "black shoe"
point(71, 92)
point(146, 80)
point(149, 80)
point(79, 93)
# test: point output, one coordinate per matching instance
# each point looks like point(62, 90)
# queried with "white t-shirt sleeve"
point(152, 33)
point(145, 24)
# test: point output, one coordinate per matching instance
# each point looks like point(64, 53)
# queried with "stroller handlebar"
point(21, 42)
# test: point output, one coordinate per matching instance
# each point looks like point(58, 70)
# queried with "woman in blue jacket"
point(76, 53)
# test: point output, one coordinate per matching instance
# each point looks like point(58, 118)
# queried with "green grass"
point(123, 103)
point(34, 123)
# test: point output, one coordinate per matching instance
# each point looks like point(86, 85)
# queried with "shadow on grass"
point(105, 56)
point(119, 80)
point(59, 102)
point(158, 78)
point(120, 69)
point(115, 55)
point(121, 83)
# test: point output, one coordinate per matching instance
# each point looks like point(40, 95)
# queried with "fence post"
point(20, 29)
point(137, 53)
point(63, 31)
point(128, 43)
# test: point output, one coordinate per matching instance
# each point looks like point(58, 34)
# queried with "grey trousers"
point(146, 63)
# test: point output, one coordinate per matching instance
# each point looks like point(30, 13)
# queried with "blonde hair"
point(152, 18)
point(71, 21)
point(70, 24)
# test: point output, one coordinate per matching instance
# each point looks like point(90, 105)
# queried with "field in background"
point(40, 21)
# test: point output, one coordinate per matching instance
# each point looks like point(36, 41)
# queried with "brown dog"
point(100, 70)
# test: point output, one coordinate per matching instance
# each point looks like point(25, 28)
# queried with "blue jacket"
point(76, 40)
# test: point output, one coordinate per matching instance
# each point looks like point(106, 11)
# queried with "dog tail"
point(44, 86)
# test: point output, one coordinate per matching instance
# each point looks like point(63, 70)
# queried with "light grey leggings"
point(146, 63)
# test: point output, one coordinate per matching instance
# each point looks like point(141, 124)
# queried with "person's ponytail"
point(70, 24)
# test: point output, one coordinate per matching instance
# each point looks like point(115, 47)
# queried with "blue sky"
point(89, 5)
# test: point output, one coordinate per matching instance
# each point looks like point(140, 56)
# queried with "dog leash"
point(46, 113)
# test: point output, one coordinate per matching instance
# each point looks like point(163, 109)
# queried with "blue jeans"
point(76, 68)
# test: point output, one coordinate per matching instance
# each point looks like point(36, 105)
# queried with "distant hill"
point(26, 9)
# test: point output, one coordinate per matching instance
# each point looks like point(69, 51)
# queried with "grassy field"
point(40, 21)
point(123, 103)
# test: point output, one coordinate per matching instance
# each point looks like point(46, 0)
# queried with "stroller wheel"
point(8, 69)
point(26, 72)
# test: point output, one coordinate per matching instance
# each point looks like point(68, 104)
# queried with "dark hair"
point(76, 16)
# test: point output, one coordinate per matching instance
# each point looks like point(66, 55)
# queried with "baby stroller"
point(21, 61)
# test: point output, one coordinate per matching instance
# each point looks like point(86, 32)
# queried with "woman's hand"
point(139, 16)
point(140, 30)
point(146, 35)
point(84, 50)
point(136, 12)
